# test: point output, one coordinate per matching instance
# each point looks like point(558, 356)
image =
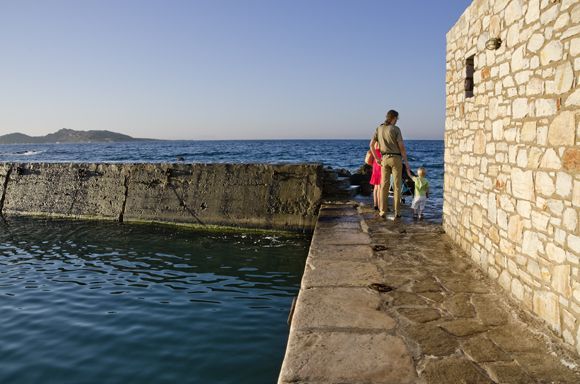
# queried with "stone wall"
point(512, 186)
point(247, 195)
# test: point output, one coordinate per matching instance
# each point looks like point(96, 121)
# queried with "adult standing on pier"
point(393, 152)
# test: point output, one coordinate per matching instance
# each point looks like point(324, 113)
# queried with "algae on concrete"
point(284, 197)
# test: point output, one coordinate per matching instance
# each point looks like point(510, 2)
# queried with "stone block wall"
point(512, 161)
point(247, 195)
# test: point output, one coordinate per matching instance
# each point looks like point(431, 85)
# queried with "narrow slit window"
point(469, 69)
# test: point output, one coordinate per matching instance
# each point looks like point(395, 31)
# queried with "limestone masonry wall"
point(512, 186)
point(248, 195)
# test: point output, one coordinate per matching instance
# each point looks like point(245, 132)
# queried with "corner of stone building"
point(512, 180)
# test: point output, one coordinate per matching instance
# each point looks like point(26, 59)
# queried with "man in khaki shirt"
point(393, 152)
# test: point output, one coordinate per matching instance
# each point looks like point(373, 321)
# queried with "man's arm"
point(404, 156)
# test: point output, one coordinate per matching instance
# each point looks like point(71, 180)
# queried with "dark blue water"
point(336, 152)
point(348, 154)
point(90, 302)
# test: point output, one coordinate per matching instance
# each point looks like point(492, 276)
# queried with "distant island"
point(68, 136)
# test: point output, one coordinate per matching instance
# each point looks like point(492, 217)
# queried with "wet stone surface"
point(454, 370)
point(411, 308)
point(459, 325)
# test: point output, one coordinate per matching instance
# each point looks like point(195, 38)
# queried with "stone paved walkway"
point(397, 302)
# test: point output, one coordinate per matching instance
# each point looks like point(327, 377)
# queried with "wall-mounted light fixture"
point(493, 44)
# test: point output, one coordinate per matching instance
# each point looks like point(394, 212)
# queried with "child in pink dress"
point(376, 180)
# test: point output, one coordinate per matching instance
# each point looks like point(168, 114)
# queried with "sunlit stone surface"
point(525, 110)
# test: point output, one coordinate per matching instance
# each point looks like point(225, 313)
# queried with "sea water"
point(346, 154)
point(98, 302)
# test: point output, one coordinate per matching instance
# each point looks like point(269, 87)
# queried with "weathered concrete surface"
point(72, 190)
point(339, 332)
point(248, 195)
point(397, 302)
point(347, 357)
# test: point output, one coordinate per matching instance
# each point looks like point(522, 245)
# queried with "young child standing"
point(421, 192)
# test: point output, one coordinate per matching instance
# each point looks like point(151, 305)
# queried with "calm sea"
point(101, 302)
point(347, 154)
point(150, 304)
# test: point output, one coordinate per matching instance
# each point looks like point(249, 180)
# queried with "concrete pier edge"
point(385, 302)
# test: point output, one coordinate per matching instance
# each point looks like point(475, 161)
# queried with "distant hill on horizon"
point(69, 136)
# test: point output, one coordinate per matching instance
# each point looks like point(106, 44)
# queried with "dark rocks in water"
point(365, 169)
point(362, 178)
point(340, 172)
point(337, 185)
point(180, 158)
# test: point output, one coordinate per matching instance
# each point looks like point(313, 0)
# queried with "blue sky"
point(224, 69)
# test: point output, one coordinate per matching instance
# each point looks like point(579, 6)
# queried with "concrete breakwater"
point(248, 195)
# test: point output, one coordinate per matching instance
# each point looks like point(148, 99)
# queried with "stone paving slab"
point(325, 237)
point(353, 252)
point(339, 210)
point(340, 357)
point(339, 273)
point(397, 302)
point(454, 369)
point(354, 225)
point(356, 308)
point(339, 331)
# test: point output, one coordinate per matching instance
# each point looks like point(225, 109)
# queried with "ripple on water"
point(199, 308)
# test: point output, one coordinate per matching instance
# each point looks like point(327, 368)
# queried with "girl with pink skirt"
point(376, 180)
